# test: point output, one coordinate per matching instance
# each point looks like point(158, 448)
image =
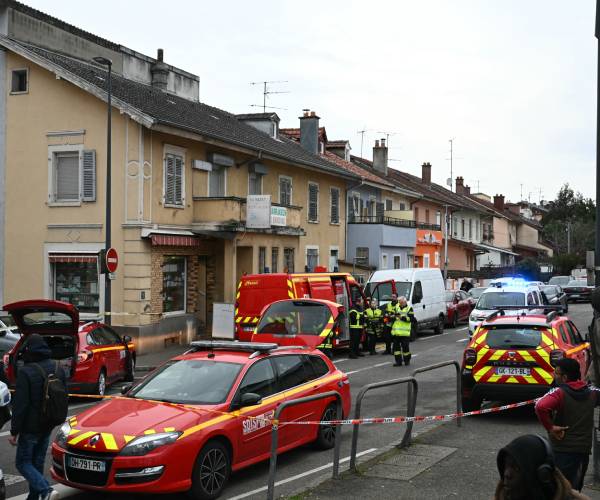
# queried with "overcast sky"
point(513, 82)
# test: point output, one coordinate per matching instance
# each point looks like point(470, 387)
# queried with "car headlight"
point(62, 435)
point(145, 444)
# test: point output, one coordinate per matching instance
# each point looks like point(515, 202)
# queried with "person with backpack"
point(40, 403)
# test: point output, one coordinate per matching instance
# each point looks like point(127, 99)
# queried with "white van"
point(494, 296)
point(422, 287)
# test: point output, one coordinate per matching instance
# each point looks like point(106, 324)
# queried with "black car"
point(578, 290)
point(556, 296)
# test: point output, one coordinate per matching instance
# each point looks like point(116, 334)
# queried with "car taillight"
point(555, 355)
point(470, 357)
point(84, 356)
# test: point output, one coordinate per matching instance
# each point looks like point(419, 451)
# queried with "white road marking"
point(462, 340)
point(445, 333)
point(297, 476)
point(374, 366)
point(462, 329)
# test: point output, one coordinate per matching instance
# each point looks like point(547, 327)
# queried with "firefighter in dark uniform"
point(374, 323)
point(356, 317)
point(327, 345)
point(401, 332)
point(389, 312)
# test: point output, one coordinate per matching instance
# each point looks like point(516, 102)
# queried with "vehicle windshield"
point(511, 337)
point(577, 283)
point(494, 299)
point(384, 291)
point(190, 381)
point(476, 292)
point(47, 318)
point(294, 317)
point(549, 290)
point(559, 280)
point(449, 296)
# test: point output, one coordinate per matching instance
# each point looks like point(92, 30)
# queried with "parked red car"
point(205, 414)
point(91, 353)
point(459, 305)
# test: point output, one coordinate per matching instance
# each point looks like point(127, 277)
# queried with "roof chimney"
point(309, 131)
point(426, 173)
point(467, 189)
point(380, 157)
point(460, 185)
point(160, 72)
point(499, 202)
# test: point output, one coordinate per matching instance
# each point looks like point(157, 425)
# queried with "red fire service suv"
point(204, 414)
point(255, 291)
point(92, 355)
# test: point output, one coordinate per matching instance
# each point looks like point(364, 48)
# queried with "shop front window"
point(174, 284)
point(76, 282)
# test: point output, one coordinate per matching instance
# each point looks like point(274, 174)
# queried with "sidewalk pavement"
point(148, 362)
point(444, 462)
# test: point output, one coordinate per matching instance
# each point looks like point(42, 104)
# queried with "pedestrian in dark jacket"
point(567, 413)
point(27, 431)
point(527, 472)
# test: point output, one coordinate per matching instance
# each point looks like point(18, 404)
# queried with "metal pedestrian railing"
point(275, 435)
point(413, 400)
point(412, 394)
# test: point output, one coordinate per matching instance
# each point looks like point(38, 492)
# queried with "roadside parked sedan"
point(91, 353)
point(556, 296)
point(560, 280)
point(578, 290)
point(459, 305)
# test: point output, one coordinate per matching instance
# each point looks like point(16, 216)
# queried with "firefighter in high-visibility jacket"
point(326, 346)
point(356, 318)
point(374, 325)
point(389, 311)
point(401, 332)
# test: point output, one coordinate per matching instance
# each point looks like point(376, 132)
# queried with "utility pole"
point(568, 236)
point(521, 198)
point(446, 236)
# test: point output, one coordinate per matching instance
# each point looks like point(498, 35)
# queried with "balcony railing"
point(391, 221)
point(230, 212)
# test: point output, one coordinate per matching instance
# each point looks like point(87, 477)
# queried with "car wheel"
point(101, 383)
point(130, 375)
point(211, 471)
point(470, 404)
point(326, 433)
point(439, 328)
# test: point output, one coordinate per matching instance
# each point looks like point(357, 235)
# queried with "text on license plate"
point(510, 370)
point(85, 464)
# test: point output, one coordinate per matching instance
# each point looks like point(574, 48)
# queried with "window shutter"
point(169, 179)
point(379, 210)
point(178, 180)
point(89, 175)
point(313, 200)
point(335, 206)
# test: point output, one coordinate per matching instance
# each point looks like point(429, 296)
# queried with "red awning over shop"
point(174, 240)
point(70, 258)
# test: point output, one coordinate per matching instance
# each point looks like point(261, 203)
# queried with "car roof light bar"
point(229, 345)
point(278, 348)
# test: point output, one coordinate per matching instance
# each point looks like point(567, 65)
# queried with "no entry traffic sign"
point(111, 260)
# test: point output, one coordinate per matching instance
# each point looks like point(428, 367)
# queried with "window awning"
point(173, 240)
point(72, 258)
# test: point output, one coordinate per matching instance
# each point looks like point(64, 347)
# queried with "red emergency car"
point(204, 414)
point(91, 353)
point(255, 291)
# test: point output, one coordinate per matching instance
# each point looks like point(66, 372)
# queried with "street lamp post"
point(107, 296)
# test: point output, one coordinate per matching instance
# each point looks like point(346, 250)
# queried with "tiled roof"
point(336, 144)
point(351, 167)
point(258, 116)
point(294, 133)
point(173, 111)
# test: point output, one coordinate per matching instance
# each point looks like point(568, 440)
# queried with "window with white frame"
point(384, 261)
point(402, 206)
point(388, 204)
point(255, 183)
point(396, 262)
point(312, 258)
point(174, 283)
point(438, 218)
point(72, 174)
point(19, 83)
point(362, 255)
point(217, 181)
point(426, 260)
point(285, 191)
point(371, 207)
point(173, 182)
point(462, 228)
point(470, 229)
point(313, 202)
point(335, 206)
point(437, 258)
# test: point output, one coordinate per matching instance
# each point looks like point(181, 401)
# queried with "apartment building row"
point(199, 196)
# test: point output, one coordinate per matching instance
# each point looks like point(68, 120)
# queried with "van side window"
point(417, 295)
point(530, 299)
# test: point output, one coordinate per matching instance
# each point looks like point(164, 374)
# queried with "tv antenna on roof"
point(387, 136)
point(267, 92)
point(362, 139)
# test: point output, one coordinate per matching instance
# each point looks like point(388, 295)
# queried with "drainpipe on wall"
point(348, 189)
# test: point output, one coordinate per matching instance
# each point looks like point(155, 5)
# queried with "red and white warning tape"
point(402, 420)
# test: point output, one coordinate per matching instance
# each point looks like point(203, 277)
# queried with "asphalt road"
point(437, 395)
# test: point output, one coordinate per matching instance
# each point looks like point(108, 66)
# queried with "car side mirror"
point(126, 339)
point(126, 388)
point(246, 399)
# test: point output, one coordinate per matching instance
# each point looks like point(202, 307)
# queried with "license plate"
point(248, 328)
point(86, 464)
point(575, 296)
point(510, 370)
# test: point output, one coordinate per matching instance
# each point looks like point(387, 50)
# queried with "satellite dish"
point(449, 181)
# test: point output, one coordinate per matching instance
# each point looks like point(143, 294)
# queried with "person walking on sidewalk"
point(28, 432)
point(528, 472)
point(567, 413)
point(374, 323)
point(389, 312)
point(401, 332)
point(356, 317)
